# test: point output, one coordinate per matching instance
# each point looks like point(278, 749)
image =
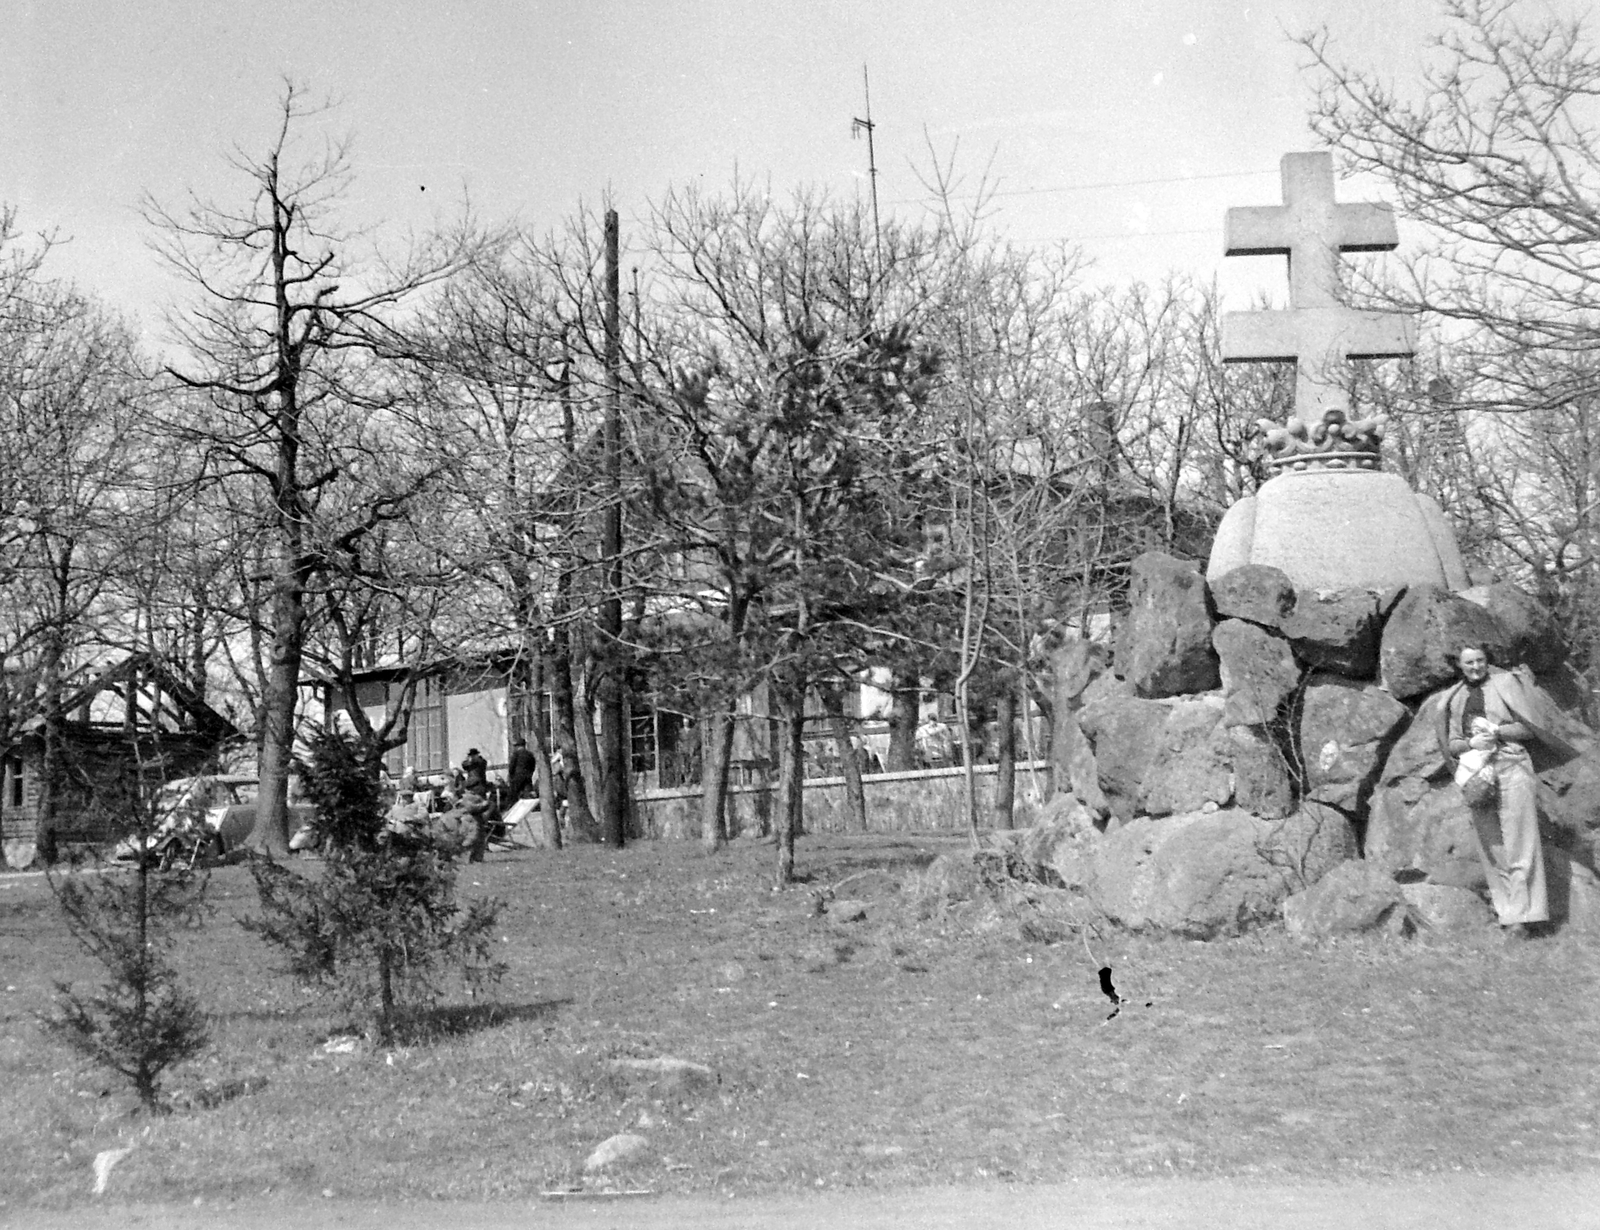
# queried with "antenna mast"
point(857, 126)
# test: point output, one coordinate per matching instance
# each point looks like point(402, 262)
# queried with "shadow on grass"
point(887, 861)
point(426, 1025)
point(269, 1015)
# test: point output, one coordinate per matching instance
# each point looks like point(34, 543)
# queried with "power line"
point(1137, 183)
point(1199, 230)
point(1112, 183)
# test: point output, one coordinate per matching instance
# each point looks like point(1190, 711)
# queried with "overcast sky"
point(1126, 125)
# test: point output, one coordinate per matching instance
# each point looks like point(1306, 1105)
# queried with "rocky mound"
point(1245, 739)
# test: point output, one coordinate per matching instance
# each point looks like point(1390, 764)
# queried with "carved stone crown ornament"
point(1335, 443)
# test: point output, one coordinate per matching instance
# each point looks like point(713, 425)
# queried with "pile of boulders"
point(1241, 740)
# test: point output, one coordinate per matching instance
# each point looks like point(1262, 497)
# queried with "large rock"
point(1425, 633)
point(1104, 693)
point(1574, 891)
point(1571, 794)
point(1125, 734)
point(1074, 665)
point(1563, 720)
point(1059, 850)
point(1258, 670)
point(1571, 693)
point(1313, 841)
point(1189, 768)
point(1072, 858)
point(1164, 644)
point(1422, 827)
point(1202, 874)
point(1416, 753)
point(1106, 687)
point(1073, 765)
point(1165, 757)
point(1528, 626)
point(1261, 781)
point(1345, 730)
point(1255, 592)
point(1442, 907)
point(1063, 822)
point(1336, 631)
point(1354, 897)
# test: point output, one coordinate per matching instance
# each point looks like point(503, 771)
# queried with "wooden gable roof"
point(142, 695)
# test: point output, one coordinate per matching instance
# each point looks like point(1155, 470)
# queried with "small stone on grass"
point(104, 1162)
point(615, 1149)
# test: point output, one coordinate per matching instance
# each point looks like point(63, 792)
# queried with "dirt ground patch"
point(1459, 1202)
point(906, 1049)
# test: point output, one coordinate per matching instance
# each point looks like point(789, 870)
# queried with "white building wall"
point(478, 719)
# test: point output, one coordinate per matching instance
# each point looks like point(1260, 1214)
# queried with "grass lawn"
point(907, 1048)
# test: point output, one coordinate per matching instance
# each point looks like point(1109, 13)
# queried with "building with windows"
point(129, 729)
point(486, 705)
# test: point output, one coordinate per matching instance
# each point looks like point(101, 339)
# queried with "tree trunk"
point(549, 813)
point(717, 733)
point(197, 680)
point(902, 726)
point(716, 748)
point(385, 994)
point(50, 765)
point(784, 750)
point(761, 795)
point(580, 820)
point(588, 747)
point(607, 681)
point(791, 780)
point(1005, 778)
point(854, 794)
point(968, 776)
point(279, 698)
point(293, 569)
point(581, 824)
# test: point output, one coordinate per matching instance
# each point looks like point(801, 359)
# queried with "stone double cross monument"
point(1331, 518)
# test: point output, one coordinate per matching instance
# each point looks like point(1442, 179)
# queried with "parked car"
point(207, 817)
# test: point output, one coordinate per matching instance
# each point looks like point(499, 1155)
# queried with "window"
point(642, 744)
point(426, 745)
point(13, 781)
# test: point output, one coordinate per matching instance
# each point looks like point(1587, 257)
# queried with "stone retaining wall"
point(896, 802)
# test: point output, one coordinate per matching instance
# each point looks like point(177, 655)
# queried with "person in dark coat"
point(521, 769)
point(475, 772)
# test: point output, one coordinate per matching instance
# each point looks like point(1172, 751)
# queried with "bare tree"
point(1493, 149)
point(289, 318)
point(70, 401)
point(792, 382)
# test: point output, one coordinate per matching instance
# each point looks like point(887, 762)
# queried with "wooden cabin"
point(131, 727)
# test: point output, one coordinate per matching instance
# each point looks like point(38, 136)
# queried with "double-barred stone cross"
point(1317, 333)
point(1331, 518)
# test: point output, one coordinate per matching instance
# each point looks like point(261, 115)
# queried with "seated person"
point(406, 816)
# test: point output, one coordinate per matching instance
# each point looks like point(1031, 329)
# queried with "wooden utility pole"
point(614, 758)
